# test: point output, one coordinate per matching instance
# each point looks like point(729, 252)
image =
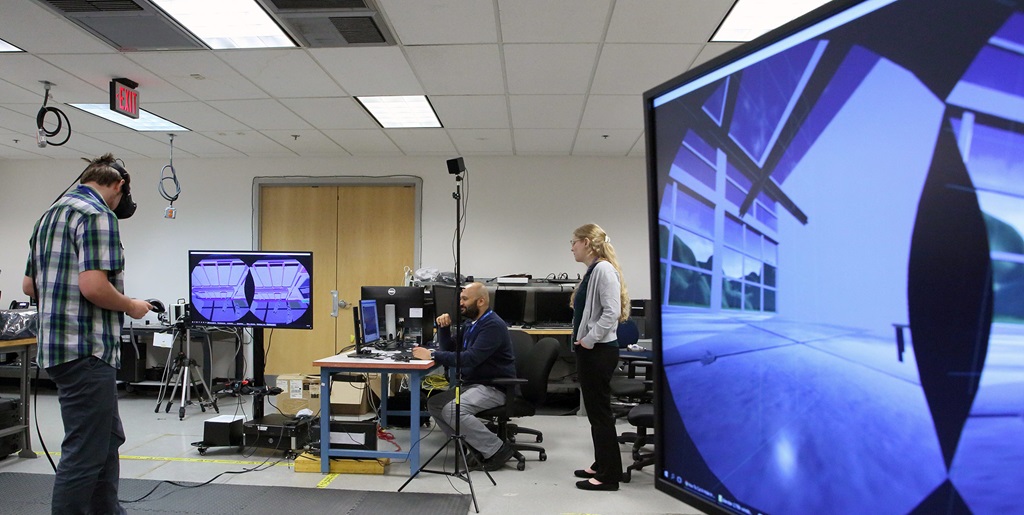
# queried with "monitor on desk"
point(510, 305)
point(368, 323)
point(408, 304)
point(250, 288)
point(446, 299)
point(552, 308)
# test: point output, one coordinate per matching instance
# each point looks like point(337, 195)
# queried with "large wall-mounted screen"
point(837, 216)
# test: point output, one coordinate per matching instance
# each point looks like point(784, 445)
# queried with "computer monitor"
point(552, 307)
point(369, 324)
point(510, 305)
point(251, 288)
point(836, 215)
point(408, 302)
point(446, 299)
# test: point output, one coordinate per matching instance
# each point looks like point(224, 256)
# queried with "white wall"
point(521, 213)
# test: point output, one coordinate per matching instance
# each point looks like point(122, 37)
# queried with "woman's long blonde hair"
point(603, 249)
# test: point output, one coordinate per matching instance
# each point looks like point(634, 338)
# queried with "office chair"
point(641, 416)
point(628, 385)
point(533, 366)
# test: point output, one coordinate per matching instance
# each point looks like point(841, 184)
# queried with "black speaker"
point(456, 166)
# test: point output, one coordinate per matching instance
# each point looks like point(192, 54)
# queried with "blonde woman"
point(599, 304)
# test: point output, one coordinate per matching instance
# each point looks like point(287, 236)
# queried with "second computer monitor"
point(369, 322)
point(510, 305)
point(552, 308)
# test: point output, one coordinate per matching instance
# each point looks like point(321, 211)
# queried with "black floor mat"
point(29, 494)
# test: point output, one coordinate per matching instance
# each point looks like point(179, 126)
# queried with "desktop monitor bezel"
point(196, 311)
point(368, 337)
point(691, 477)
point(404, 298)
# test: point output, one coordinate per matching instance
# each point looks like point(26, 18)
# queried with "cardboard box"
point(299, 391)
point(354, 394)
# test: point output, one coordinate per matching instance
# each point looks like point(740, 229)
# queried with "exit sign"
point(123, 97)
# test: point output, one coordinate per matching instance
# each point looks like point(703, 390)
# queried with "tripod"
point(457, 439)
point(186, 370)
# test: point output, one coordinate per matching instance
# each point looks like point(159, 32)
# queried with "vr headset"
point(126, 208)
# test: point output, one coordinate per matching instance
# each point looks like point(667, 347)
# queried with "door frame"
point(393, 180)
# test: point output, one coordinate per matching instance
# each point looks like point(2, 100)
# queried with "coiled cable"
point(62, 119)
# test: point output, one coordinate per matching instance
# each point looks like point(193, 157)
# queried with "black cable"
point(41, 119)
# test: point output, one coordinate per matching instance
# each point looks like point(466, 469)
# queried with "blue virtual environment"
point(251, 289)
point(839, 222)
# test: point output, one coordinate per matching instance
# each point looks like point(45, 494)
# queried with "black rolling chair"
point(641, 416)
point(533, 366)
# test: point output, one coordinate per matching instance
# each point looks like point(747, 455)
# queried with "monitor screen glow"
point(837, 259)
point(251, 288)
point(368, 319)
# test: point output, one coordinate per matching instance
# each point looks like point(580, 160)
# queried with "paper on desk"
point(165, 340)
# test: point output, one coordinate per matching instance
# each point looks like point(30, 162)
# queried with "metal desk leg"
point(325, 420)
point(415, 380)
point(26, 435)
point(384, 381)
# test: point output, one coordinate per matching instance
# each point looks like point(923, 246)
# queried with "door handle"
point(337, 303)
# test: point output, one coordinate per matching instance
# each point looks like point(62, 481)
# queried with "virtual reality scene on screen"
point(840, 228)
point(247, 288)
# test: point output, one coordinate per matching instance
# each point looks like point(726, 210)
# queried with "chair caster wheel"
point(626, 477)
point(521, 466)
point(540, 439)
point(543, 456)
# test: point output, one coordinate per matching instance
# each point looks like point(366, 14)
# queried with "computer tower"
point(10, 416)
point(276, 431)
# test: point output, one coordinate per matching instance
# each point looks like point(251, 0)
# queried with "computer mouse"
point(527, 326)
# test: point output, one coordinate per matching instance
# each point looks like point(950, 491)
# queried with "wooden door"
point(359, 235)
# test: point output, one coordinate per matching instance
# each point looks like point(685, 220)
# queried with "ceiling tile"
point(196, 116)
point(365, 142)
point(666, 21)
point(441, 22)
point(544, 141)
point(633, 69)
point(544, 21)
point(261, 114)
point(197, 144)
point(613, 111)
point(99, 69)
point(137, 142)
point(546, 111)
point(369, 70)
point(250, 143)
point(26, 71)
point(331, 113)
point(548, 68)
point(605, 142)
point(200, 74)
point(309, 143)
point(466, 112)
point(458, 69)
point(11, 93)
point(283, 72)
point(482, 141)
point(422, 141)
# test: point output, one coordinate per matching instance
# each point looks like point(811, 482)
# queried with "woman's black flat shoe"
point(587, 485)
point(584, 474)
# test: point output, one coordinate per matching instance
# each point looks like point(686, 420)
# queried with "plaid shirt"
point(78, 233)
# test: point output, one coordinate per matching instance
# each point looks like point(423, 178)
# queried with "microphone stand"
point(457, 438)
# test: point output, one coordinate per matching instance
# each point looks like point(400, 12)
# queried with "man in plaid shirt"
point(75, 270)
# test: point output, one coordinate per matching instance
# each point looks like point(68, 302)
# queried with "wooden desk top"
point(22, 342)
point(344, 361)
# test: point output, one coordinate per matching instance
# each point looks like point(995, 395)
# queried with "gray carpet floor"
point(29, 494)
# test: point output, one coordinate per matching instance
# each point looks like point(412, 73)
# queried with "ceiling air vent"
point(127, 25)
point(332, 23)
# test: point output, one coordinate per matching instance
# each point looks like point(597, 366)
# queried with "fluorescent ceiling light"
point(7, 47)
point(401, 112)
point(227, 23)
point(749, 19)
point(147, 121)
